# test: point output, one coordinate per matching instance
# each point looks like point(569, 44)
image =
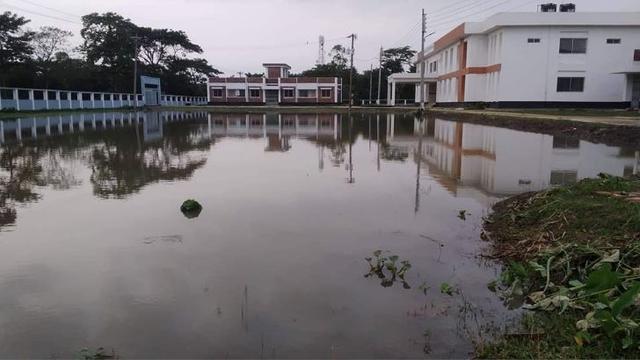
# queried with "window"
point(237, 93)
point(636, 55)
point(51, 95)
point(563, 177)
point(325, 93)
point(573, 46)
point(216, 93)
point(614, 41)
point(288, 93)
point(533, 40)
point(570, 84)
point(254, 93)
point(107, 97)
point(307, 93)
point(566, 142)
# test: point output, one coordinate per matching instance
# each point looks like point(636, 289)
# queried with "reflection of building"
point(276, 88)
point(276, 128)
point(499, 161)
point(535, 59)
point(34, 127)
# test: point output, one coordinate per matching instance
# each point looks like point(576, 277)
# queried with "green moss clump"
point(191, 208)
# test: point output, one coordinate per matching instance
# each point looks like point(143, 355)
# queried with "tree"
point(185, 75)
point(108, 39)
point(49, 41)
point(157, 46)
point(396, 60)
point(14, 41)
point(49, 44)
point(338, 55)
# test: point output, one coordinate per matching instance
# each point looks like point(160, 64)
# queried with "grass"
point(545, 336)
point(571, 254)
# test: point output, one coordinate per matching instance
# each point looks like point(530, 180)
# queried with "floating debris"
point(191, 208)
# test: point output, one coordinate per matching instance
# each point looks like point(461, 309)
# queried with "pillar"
point(393, 93)
point(15, 96)
point(33, 100)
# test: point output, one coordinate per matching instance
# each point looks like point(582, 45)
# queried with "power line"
point(453, 12)
point(39, 14)
point(75, 16)
point(458, 17)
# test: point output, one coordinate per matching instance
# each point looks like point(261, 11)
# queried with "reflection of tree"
point(22, 169)
point(21, 172)
point(121, 166)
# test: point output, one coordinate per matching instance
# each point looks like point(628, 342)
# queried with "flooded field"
point(94, 251)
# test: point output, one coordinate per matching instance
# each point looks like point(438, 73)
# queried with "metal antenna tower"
point(320, 60)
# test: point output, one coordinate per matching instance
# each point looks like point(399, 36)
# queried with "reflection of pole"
point(351, 179)
point(418, 158)
point(635, 166)
point(369, 136)
point(378, 139)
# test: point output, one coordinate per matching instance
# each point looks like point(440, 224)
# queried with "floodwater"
point(94, 251)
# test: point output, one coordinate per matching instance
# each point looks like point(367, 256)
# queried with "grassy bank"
point(572, 257)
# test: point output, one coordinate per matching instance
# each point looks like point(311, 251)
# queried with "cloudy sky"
point(238, 35)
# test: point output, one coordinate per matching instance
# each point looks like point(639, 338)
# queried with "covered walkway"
point(414, 79)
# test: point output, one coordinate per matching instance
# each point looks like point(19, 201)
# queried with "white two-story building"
point(537, 59)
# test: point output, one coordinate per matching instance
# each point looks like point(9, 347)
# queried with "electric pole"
point(370, 83)
point(380, 74)
point(422, 59)
point(353, 41)
point(135, 70)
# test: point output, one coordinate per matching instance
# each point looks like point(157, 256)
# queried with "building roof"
point(514, 19)
point(277, 65)
point(507, 19)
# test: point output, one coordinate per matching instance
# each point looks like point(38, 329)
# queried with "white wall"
point(530, 71)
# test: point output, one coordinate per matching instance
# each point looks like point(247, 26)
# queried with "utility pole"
point(424, 31)
point(380, 74)
point(353, 40)
point(135, 70)
point(370, 83)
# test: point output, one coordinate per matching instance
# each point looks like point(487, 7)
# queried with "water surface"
point(95, 252)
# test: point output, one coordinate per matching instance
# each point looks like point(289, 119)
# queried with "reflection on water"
point(95, 252)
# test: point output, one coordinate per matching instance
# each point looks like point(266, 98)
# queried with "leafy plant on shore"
point(387, 268)
point(575, 250)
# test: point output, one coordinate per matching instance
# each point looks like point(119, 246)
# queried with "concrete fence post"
point(33, 100)
point(15, 96)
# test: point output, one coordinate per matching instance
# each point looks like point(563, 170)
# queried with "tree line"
point(104, 60)
point(393, 60)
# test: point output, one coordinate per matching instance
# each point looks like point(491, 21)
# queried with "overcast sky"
point(239, 35)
